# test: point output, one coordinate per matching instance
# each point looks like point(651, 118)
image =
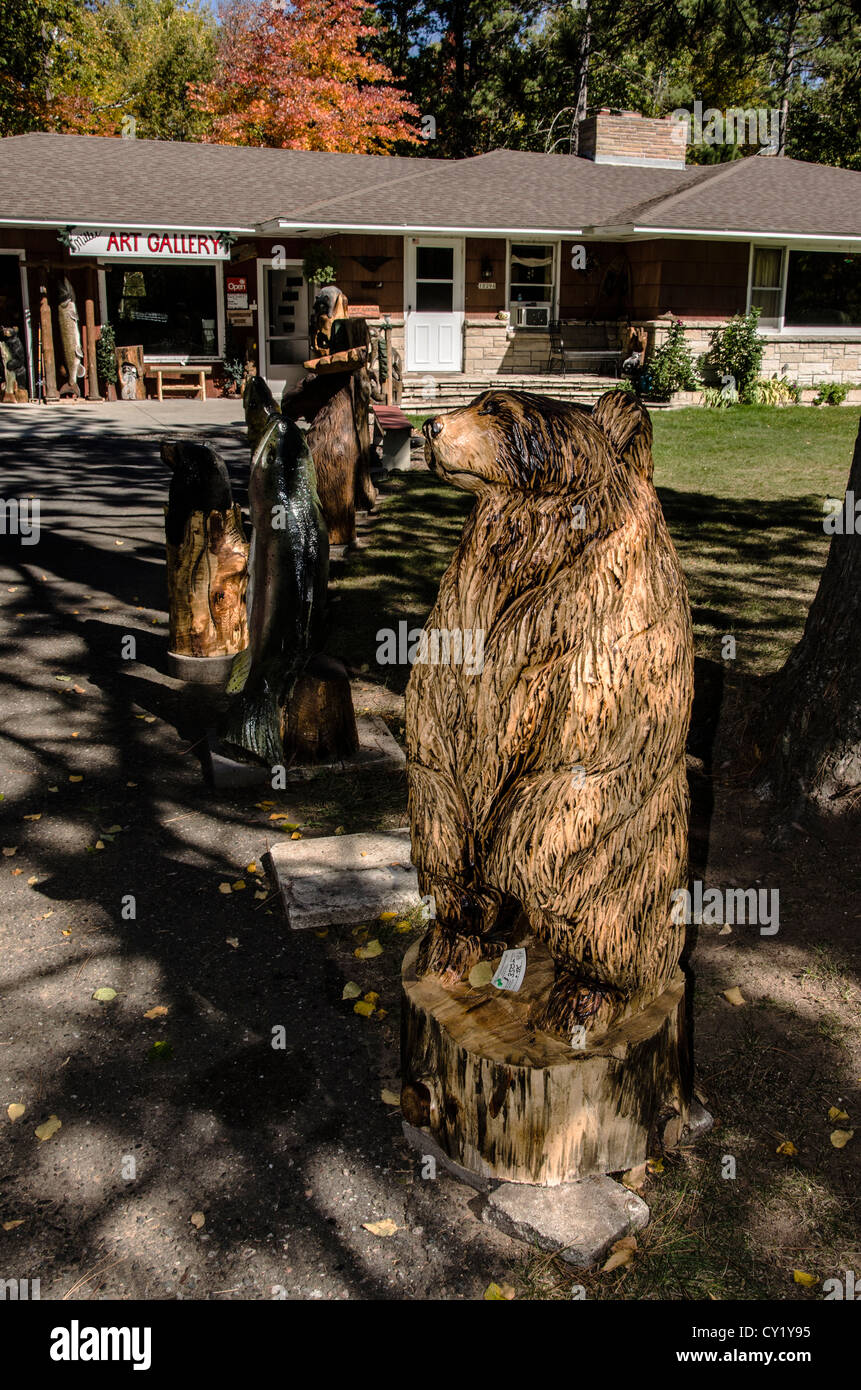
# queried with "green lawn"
point(742, 491)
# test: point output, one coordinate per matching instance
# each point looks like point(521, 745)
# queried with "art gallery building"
point(194, 253)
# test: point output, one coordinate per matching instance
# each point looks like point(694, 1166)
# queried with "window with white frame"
point(805, 289)
point(531, 275)
point(766, 284)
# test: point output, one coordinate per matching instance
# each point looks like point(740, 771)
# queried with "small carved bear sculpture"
point(551, 782)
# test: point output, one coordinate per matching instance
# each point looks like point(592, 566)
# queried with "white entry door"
point(282, 296)
point(434, 300)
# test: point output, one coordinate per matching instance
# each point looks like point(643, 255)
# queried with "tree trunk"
point(581, 81)
point(809, 725)
point(512, 1103)
point(206, 578)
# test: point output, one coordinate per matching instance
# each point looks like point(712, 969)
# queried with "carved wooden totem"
point(548, 794)
point(207, 554)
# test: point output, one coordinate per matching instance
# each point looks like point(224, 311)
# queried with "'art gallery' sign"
point(155, 245)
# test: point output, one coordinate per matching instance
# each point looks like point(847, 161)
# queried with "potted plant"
point(320, 266)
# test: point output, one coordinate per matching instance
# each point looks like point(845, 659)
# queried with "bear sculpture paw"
point(575, 1004)
point(449, 955)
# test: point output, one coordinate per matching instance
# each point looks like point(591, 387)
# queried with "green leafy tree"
point(135, 59)
point(31, 57)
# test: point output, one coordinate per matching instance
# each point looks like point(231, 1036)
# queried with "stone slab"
point(342, 880)
point(378, 751)
point(577, 1220)
point(424, 1144)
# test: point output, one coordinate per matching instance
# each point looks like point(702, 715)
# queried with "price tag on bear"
point(512, 969)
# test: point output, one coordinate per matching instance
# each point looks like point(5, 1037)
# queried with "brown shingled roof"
point(100, 181)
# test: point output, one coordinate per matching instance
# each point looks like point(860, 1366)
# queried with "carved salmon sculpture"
point(550, 783)
point(70, 337)
point(289, 569)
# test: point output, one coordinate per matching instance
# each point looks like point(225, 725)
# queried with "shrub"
point(776, 390)
point(735, 350)
point(830, 393)
point(670, 368)
point(106, 355)
point(719, 398)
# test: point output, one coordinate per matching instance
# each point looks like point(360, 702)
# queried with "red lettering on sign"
point(204, 245)
point(113, 243)
point(192, 249)
point(164, 244)
point(152, 242)
point(137, 238)
point(126, 243)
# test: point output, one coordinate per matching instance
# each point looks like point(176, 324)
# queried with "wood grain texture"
point(337, 408)
point(552, 780)
point(513, 1103)
point(207, 574)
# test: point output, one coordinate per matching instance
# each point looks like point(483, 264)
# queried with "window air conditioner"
point(530, 315)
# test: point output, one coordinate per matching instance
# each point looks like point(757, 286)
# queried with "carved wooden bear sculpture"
point(553, 780)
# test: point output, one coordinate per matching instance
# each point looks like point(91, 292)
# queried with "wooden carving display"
point(207, 554)
point(337, 407)
point(288, 702)
point(330, 303)
point(70, 338)
point(547, 772)
point(130, 371)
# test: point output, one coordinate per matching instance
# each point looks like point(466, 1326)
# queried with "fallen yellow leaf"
point(351, 990)
point(386, 1227)
point(840, 1137)
point(734, 996)
point(617, 1259)
point(10, 850)
point(368, 952)
point(481, 974)
point(197, 1220)
point(787, 1147)
point(835, 1114)
point(232, 941)
point(105, 994)
point(363, 1008)
point(160, 1011)
point(224, 888)
point(15, 1111)
point(371, 997)
point(635, 1178)
point(390, 1097)
point(387, 916)
point(36, 816)
point(805, 1280)
point(498, 1293)
point(50, 1127)
point(260, 896)
point(10, 1225)
point(403, 926)
point(238, 885)
point(295, 835)
point(76, 777)
point(251, 869)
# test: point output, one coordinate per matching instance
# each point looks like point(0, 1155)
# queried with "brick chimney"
point(626, 137)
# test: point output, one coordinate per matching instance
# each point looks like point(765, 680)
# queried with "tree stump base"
point(319, 722)
point(511, 1103)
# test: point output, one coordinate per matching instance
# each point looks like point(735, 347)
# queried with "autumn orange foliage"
point(294, 76)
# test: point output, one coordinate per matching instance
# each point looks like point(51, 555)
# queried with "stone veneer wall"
point(806, 359)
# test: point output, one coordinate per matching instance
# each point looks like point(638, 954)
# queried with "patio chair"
point(558, 351)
